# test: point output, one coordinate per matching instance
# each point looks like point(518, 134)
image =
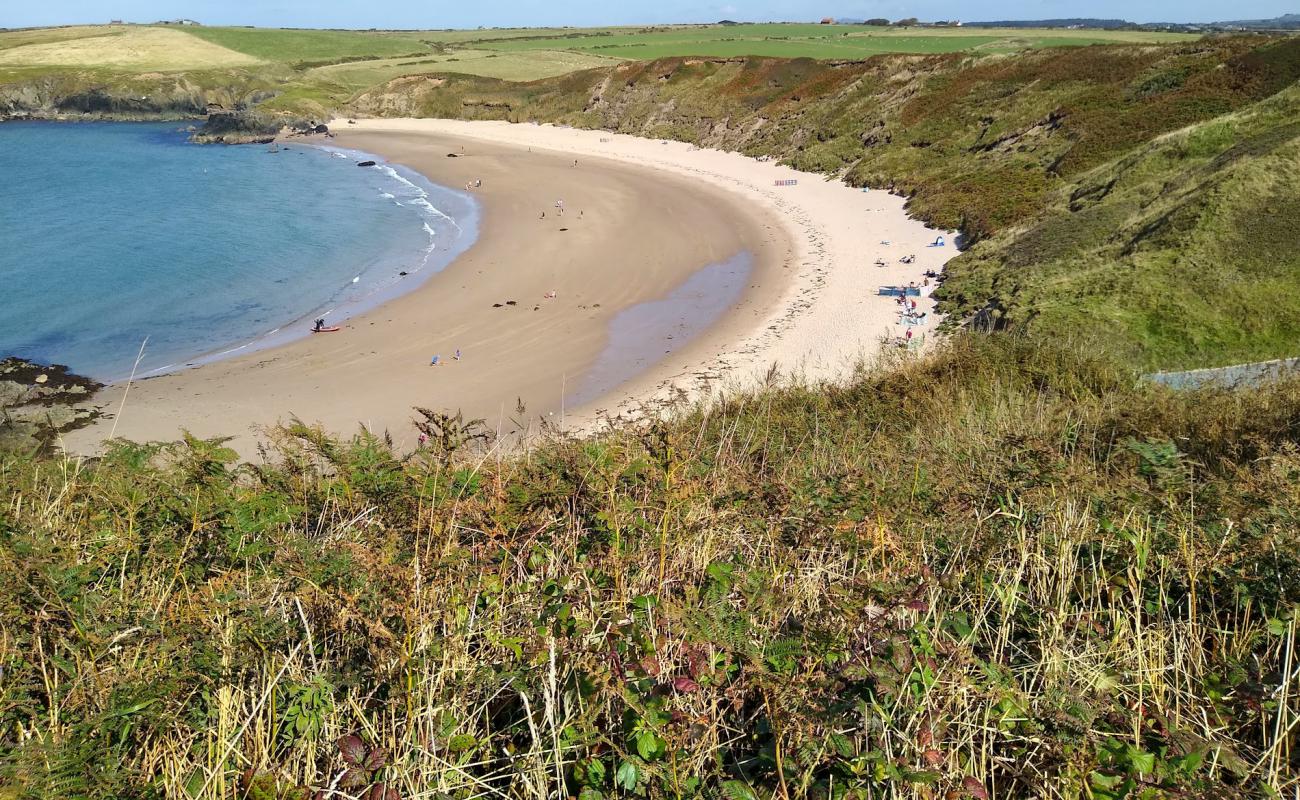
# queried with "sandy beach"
point(642, 217)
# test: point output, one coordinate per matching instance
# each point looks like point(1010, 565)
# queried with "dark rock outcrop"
point(240, 127)
point(39, 402)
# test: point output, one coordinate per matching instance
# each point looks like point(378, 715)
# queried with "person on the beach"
point(478, 183)
point(320, 324)
point(457, 356)
point(435, 360)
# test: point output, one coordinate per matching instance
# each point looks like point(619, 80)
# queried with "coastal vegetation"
point(1006, 569)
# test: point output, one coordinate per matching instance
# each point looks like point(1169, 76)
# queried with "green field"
point(519, 54)
point(507, 66)
point(295, 46)
point(815, 41)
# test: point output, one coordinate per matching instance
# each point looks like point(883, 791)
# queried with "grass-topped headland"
point(1004, 570)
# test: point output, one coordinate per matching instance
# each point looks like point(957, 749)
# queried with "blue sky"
point(433, 14)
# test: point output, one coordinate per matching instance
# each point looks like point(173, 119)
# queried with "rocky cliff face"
point(76, 96)
point(252, 127)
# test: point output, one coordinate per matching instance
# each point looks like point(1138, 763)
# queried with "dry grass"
point(129, 49)
point(504, 66)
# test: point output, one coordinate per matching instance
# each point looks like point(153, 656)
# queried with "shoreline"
point(341, 309)
point(637, 236)
point(663, 211)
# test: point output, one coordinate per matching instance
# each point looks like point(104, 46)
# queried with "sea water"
point(118, 234)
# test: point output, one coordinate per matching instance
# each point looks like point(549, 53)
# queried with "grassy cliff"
point(1005, 570)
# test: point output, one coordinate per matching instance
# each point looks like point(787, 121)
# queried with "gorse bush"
point(1002, 570)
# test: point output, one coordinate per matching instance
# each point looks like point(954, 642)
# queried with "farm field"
point(300, 46)
point(817, 41)
point(124, 48)
point(521, 66)
point(356, 60)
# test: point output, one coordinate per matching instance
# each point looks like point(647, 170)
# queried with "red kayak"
point(334, 329)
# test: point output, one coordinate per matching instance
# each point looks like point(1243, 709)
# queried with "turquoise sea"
point(114, 233)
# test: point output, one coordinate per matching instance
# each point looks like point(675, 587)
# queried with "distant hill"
point(1284, 22)
point(1071, 22)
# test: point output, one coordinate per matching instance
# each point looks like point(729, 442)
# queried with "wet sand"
point(629, 236)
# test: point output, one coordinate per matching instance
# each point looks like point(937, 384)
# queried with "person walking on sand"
point(434, 362)
point(457, 356)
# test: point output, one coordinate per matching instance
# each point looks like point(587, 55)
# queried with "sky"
point(529, 13)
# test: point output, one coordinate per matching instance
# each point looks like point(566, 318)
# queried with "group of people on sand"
point(437, 361)
point(477, 183)
point(909, 314)
point(559, 210)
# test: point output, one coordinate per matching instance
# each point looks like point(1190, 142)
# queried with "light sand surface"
point(642, 217)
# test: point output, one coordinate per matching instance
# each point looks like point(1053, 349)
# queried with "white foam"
point(421, 197)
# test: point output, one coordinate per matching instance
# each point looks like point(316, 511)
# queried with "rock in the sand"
point(40, 402)
point(365, 163)
point(321, 129)
point(453, 155)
